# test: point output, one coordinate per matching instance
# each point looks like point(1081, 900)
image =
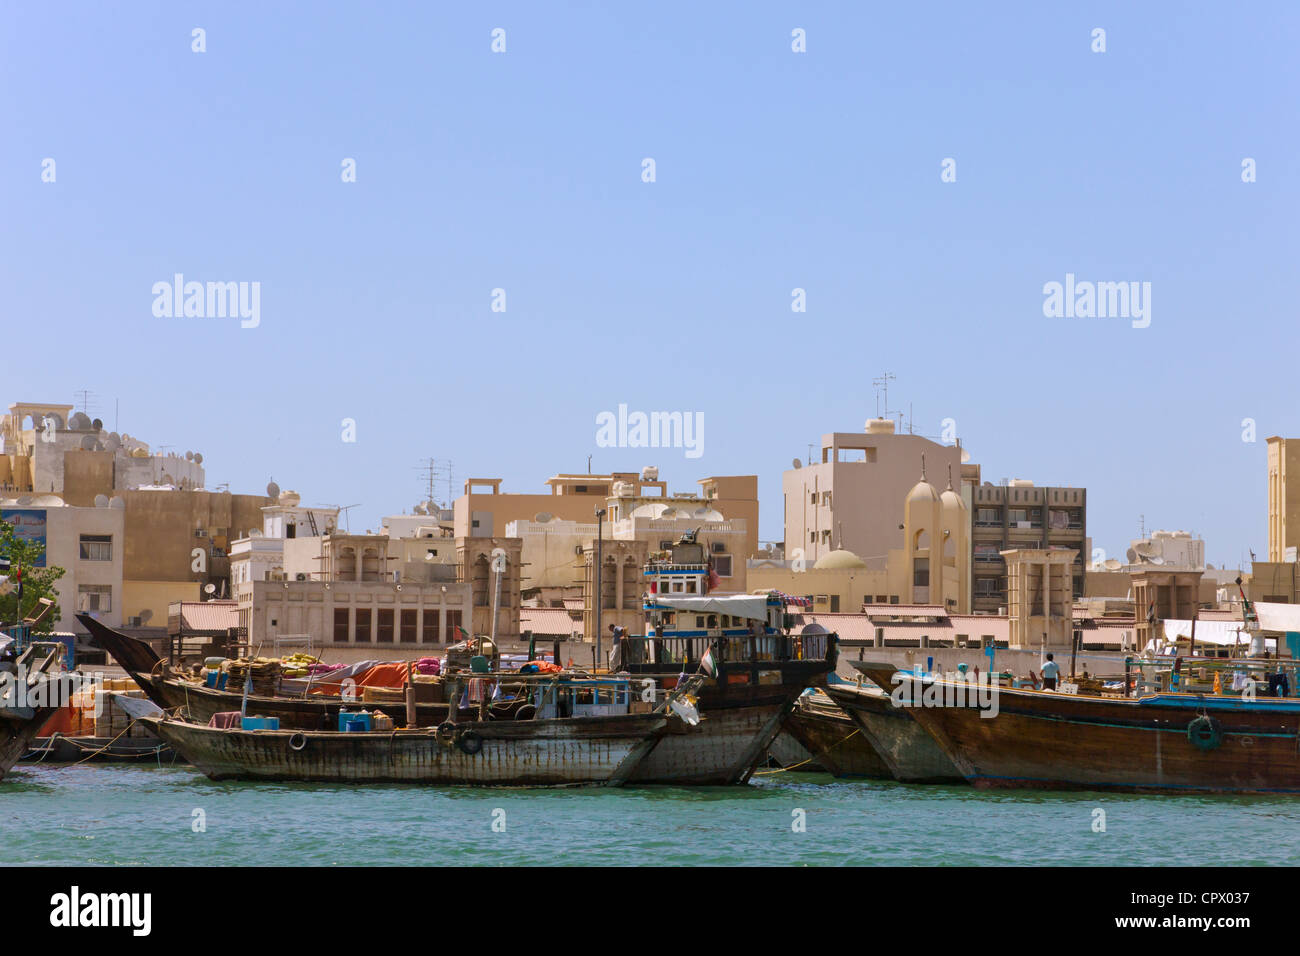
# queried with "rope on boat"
point(764, 773)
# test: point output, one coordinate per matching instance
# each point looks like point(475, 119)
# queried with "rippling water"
point(113, 815)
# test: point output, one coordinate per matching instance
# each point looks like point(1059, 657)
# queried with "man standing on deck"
point(616, 652)
point(1051, 671)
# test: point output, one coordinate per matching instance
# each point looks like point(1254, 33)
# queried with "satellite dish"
point(116, 502)
point(101, 501)
point(88, 443)
point(796, 463)
point(113, 442)
point(254, 532)
point(1146, 549)
point(189, 456)
point(1132, 556)
point(198, 458)
point(80, 421)
point(209, 589)
point(1156, 559)
point(97, 424)
point(668, 513)
point(1112, 564)
point(965, 455)
point(273, 490)
point(542, 517)
point(145, 615)
point(24, 500)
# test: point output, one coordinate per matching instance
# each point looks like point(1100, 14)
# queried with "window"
point(95, 597)
point(96, 547)
point(722, 565)
point(384, 633)
point(987, 518)
point(430, 553)
point(835, 603)
point(363, 625)
point(812, 537)
point(474, 523)
point(921, 573)
point(893, 599)
point(340, 625)
point(453, 622)
point(291, 531)
point(408, 626)
point(431, 633)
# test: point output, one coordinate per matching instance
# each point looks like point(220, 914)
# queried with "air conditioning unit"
point(135, 622)
point(300, 576)
point(718, 547)
point(200, 533)
point(577, 549)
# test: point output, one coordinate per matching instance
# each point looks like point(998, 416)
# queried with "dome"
point(922, 491)
point(952, 502)
point(839, 559)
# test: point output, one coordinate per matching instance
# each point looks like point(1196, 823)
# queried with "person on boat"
point(616, 650)
point(1051, 672)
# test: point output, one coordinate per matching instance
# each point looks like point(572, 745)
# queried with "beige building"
point(484, 511)
point(848, 499)
point(1040, 597)
point(86, 542)
point(931, 567)
point(1020, 516)
point(1160, 595)
point(1283, 498)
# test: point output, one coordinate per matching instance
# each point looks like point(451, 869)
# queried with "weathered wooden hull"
point(19, 726)
point(591, 751)
point(785, 752)
point(1042, 739)
point(835, 740)
point(744, 710)
point(903, 745)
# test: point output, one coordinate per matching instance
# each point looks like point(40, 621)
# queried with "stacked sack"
point(297, 665)
point(266, 675)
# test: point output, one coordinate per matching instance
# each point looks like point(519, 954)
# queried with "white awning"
point(1278, 617)
point(1208, 632)
point(752, 606)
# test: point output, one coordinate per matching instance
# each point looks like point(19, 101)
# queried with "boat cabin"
point(584, 697)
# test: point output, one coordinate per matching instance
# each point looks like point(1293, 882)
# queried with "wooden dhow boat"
point(834, 739)
point(756, 668)
point(1158, 742)
point(200, 703)
point(904, 746)
point(32, 689)
point(601, 744)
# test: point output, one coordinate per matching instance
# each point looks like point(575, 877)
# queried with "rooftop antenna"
point(882, 385)
point(345, 511)
point(84, 395)
point(810, 449)
point(1142, 527)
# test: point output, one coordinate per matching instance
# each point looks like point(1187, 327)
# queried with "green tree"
point(37, 582)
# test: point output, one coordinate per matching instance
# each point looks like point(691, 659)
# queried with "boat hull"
point(835, 741)
point(582, 751)
point(905, 747)
point(1041, 739)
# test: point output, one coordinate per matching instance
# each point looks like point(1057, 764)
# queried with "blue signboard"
point(28, 525)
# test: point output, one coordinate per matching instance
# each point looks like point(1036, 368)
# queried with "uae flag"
point(459, 633)
point(707, 664)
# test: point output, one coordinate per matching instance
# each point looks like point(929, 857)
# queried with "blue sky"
point(774, 170)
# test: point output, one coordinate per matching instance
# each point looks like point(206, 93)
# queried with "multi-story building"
point(848, 500)
point(1283, 498)
point(86, 542)
point(1020, 516)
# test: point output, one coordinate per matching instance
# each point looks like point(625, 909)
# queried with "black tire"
point(298, 741)
point(1205, 733)
point(446, 733)
point(526, 712)
point(470, 742)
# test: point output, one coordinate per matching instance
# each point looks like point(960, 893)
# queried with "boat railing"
point(648, 649)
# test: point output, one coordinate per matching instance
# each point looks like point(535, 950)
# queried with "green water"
point(114, 815)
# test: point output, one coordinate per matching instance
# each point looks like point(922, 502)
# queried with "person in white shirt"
point(1051, 672)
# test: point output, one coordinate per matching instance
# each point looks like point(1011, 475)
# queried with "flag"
point(20, 586)
point(459, 633)
point(707, 664)
point(1151, 612)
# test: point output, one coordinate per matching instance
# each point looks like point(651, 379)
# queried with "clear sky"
point(774, 170)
